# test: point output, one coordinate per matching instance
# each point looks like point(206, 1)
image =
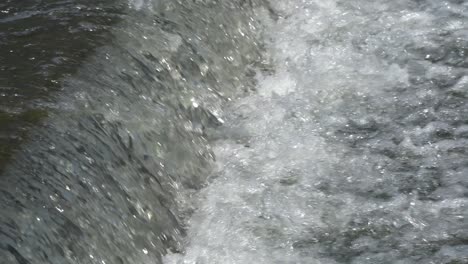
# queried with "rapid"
point(207, 131)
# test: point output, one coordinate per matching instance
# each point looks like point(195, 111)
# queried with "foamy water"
point(353, 150)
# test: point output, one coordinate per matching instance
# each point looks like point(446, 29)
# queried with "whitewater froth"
point(352, 151)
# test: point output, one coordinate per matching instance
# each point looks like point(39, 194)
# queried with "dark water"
point(40, 43)
point(208, 131)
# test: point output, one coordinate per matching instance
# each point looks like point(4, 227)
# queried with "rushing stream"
point(242, 131)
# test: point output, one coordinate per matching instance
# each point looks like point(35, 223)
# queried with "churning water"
point(207, 131)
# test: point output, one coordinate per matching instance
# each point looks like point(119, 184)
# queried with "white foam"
point(289, 191)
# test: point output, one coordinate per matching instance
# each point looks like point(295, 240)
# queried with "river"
point(245, 131)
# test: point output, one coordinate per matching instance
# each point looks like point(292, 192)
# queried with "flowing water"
point(208, 131)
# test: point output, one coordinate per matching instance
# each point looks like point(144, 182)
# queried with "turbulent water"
point(204, 131)
point(100, 179)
